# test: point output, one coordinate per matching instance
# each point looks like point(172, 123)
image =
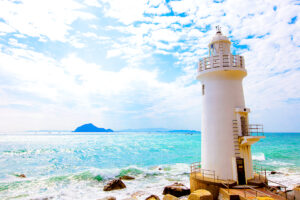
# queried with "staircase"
point(236, 138)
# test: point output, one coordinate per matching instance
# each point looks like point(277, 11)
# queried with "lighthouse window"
point(203, 88)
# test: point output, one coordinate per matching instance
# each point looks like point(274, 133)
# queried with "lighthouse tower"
point(226, 135)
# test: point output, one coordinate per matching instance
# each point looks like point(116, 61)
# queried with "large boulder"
point(125, 177)
point(108, 198)
point(152, 197)
point(177, 190)
point(200, 195)
point(170, 197)
point(115, 184)
point(21, 175)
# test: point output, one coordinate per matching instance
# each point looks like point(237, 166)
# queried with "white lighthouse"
point(226, 135)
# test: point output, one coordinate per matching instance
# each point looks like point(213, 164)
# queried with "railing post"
point(214, 177)
point(265, 176)
point(285, 193)
point(228, 185)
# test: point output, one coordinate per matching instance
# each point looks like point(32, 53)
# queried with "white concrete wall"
point(246, 154)
point(223, 93)
point(297, 193)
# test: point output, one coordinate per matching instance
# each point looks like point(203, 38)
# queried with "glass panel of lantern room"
point(213, 49)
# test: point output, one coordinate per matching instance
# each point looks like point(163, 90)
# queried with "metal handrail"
point(256, 191)
point(256, 129)
point(265, 173)
point(281, 185)
point(259, 171)
point(227, 186)
point(196, 167)
point(278, 184)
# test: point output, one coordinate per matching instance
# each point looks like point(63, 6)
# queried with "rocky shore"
point(170, 192)
point(158, 184)
point(129, 187)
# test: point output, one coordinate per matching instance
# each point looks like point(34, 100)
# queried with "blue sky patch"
point(293, 20)
point(127, 62)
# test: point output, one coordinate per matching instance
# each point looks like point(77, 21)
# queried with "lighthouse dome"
point(220, 44)
point(219, 37)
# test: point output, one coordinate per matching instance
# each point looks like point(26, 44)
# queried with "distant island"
point(91, 128)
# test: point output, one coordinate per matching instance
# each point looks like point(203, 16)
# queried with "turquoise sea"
point(76, 166)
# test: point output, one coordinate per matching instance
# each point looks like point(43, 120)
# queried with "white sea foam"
point(151, 180)
point(258, 156)
point(288, 179)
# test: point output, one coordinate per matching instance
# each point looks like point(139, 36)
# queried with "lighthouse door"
point(241, 171)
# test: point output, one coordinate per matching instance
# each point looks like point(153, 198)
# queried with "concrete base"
point(258, 180)
point(297, 192)
point(196, 184)
point(249, 194)
point(226, 190)
point(224, 195)
point(170, 197)
point(200, 195)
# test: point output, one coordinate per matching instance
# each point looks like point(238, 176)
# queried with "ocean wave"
point(258, 156)
point(35, 151)
point(277, 163)
point(88, 184)
point(285, 177)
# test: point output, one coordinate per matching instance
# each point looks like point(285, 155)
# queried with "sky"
point(133, 63)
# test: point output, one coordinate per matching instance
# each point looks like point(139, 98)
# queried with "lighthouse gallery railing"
point(222, 60)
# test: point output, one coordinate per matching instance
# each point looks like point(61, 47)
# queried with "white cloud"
point(187, 6)
point(160, 9)
point(42, 18)
point(126, 12)
point(271, 50)
point(136, 32)
point(155, 3)
point(95, 36)
point(55, 85)
point(165, 35)
point(4, 28)
point(94, 3)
